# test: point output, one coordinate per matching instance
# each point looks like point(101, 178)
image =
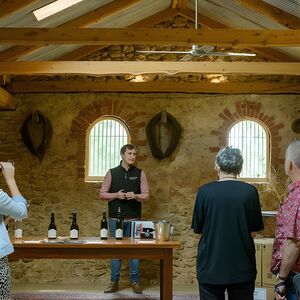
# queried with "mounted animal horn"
point(36, 132)
point(163, 134)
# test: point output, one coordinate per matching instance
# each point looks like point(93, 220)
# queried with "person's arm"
point(105, 188)
point(290, 254)
point(8, 171)
point(144, 195)
point(15, 206)
point(198, 214)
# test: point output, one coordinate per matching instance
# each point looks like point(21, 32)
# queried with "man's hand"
point(131, 196)
point(280, 290)
point(120, 194)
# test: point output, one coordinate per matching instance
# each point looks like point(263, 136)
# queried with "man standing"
point(124, 186)
point(286, 250)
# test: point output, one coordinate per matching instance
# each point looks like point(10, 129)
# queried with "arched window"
point(253, 140)
point(104, 139)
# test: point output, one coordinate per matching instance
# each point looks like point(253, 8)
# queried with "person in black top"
point(227, 213)
point(124, 186)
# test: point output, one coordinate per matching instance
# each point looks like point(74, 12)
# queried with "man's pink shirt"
point(287, 226)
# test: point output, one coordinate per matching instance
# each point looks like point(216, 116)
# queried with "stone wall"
point(57, 181)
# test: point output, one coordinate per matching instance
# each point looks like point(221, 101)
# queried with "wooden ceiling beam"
point(6, 99)
point(146, 67)
point(269, 53)
point(238, 38)
point(84, 86)
point(147, 22)
point(16, 52)
point(276, 14)
point(81, 21)
point(11, 6)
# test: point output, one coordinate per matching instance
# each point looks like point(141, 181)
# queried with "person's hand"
point(130, 195)
point(120, 194)
point(8, 170)
point(278, 297)
point(280, 290)
point(8, 220)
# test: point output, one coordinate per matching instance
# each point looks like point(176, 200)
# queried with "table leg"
point(166, 276)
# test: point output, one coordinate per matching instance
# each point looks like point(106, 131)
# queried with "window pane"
point(251, 138)
point(105, 141)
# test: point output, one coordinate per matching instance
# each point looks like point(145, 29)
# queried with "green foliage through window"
point(252, 139)
point(105, 141)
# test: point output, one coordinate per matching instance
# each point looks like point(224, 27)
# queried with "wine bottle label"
point(18, 233)
point(103, 233)
point(74, 234)
point(119, 233)
point(51, 234)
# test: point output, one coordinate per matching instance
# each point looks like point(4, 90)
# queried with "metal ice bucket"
point(162, 230)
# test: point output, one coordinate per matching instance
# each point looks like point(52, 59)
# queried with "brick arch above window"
point(250, 110)
point(106, 107)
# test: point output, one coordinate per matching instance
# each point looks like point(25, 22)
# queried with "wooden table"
point(91, 248)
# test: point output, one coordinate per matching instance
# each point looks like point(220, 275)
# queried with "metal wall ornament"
point(163, 134)
point(36, 133)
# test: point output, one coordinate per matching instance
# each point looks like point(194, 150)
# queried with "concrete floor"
point(60, 287)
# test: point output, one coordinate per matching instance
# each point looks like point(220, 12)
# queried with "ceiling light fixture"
point(53, 8)
point(140, 78)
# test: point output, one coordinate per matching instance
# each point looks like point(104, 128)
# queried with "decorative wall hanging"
point(163, 134)
point(36, 132)
point(296, 126)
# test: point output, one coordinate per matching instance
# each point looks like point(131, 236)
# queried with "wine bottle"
point(103, 231)
point(74, 230)
point(119, 226)
point(52, 227)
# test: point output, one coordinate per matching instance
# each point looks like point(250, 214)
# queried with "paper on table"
point(32, 242)
point(94, 242)
point(146, 242)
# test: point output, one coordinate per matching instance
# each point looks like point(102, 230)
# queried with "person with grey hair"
point(286, 249)
point(227, 214)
